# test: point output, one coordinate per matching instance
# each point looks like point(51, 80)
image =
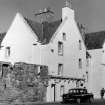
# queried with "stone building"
point(58, 45)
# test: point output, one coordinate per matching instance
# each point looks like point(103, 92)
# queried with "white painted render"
point(58, 95)
point(96, 72)
point(20, 38)
point(103, 64)
point(71, 49)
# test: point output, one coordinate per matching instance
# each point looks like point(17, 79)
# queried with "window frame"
point(62, 90)
point(80, 45)
point(60, 69)
point(80, 63)
point(64, 36)
point(7, 51)
point(60, 48)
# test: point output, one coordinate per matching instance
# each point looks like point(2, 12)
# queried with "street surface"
point(96, 102)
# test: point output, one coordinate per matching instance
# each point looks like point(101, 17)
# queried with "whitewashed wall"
point(21, 38)
point(71, 49)
point(96, 73)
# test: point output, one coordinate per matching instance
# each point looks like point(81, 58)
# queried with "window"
point(77, 83)
point(5, 70)
point(60, 69)
point(7, 52)
point(87, 62)
point(62, 90)
point(52, 50)
point(60, 48)
point(80, 63)
point(80, 45)
point(64, 36)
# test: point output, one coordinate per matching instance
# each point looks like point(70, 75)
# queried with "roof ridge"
point(95, 32)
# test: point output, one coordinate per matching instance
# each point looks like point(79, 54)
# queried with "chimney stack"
point(68, 3)
point(67, 11)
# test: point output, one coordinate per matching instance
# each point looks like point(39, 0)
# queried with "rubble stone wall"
point(21, 82)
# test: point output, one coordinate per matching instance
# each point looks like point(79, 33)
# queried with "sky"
point(91, 13)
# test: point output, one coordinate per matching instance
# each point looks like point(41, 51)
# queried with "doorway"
point(53, 92)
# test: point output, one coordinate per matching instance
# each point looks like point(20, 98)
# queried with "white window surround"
point(7, 51)
point(60, 69)
point(60, 48)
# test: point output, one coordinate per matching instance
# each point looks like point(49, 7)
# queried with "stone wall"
point(22, 82)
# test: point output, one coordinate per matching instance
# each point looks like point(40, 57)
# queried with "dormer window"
point(60, 48)
point(7, 52)
point(64, 36)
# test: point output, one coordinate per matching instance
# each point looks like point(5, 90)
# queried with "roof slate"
point(2, 35)
point(44, 30)
point(94, 40)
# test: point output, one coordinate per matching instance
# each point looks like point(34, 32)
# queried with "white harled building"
point(95, 43)
point(58, 45)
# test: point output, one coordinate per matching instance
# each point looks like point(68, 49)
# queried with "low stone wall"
point(21, 83)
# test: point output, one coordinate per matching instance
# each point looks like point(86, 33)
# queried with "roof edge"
point(23, 18)
point(58, 29)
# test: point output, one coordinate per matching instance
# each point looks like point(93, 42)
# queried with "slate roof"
point(44, 30)
point(94, 40)
point(2, 35)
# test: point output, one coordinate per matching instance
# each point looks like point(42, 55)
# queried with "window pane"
point(64, 36)
point(60, 48)
point(80, 45)
point(62, 90)
point(80, 63)
point(60, 69)
point(7, 52)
